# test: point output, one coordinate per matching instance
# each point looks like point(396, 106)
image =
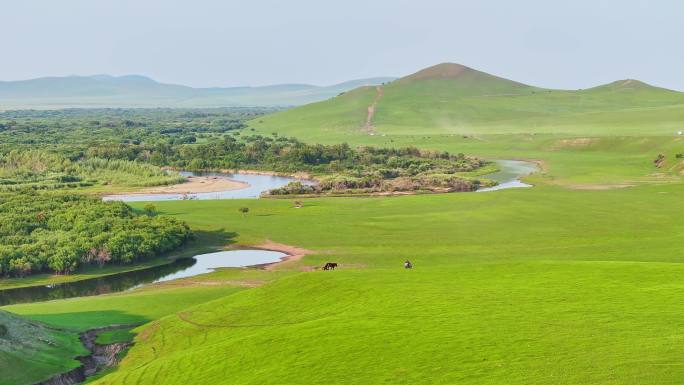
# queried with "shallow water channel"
point(509, 174)
point(181, 268)
point(508, 177)
point(257, 185)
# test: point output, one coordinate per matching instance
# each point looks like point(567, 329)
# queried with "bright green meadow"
point(523, 286)
point(577, 280)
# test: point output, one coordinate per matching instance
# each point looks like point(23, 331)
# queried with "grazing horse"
point(330, 266)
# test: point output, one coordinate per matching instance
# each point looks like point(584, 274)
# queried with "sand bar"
point(194, 185)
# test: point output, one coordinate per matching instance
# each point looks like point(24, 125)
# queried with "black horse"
point(330, 266)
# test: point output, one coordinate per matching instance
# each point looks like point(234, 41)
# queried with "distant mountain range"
point(100, 91)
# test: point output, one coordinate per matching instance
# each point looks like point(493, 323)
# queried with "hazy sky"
point(564, 44)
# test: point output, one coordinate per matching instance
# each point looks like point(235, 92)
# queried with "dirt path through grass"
point(371, 110)
point(294, 253)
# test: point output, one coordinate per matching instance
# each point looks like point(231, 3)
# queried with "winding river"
point(257, 184)
point(508, 177)
point(509, 174)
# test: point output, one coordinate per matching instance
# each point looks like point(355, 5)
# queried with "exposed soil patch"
point(574, 143)
point(148, 331)
point(371, 110)
point(606, 186)
point(294, 253)
point(100, 357)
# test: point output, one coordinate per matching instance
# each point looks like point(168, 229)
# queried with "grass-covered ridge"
point(452, 99)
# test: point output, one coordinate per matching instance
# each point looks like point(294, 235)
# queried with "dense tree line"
point(58, 232)
point(339, 168)
point(121, 147)
point(40, 169)
point(344, 184)
point(290, 155)
point(50, 149)
point(78, 129)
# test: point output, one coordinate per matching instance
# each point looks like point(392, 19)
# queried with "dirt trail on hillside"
point(371, 110)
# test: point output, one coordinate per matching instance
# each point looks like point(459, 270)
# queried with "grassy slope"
point(80, 314)
point(474, 102)
point(530, 286)
point(523, 286)
point(588, 280)
point(26, 357)
point(22, 363)
point(542, 285)
point(569, 323)
point(606, 135)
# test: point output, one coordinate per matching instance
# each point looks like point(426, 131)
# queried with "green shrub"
point(60, 232)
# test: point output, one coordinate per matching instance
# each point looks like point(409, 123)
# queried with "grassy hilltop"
point(454, 99)
point(602, 137)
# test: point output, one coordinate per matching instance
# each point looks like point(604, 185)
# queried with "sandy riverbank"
point(294, 253)
point(197, 184)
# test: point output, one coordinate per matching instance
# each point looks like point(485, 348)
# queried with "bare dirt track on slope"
point(371, 110)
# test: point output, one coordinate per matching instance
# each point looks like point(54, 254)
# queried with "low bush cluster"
point(59, 232)
point(42, 170)
point(341, 184)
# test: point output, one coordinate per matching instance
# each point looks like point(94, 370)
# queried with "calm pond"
point(509, 174)
point(182, 268)
point(257, 185)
